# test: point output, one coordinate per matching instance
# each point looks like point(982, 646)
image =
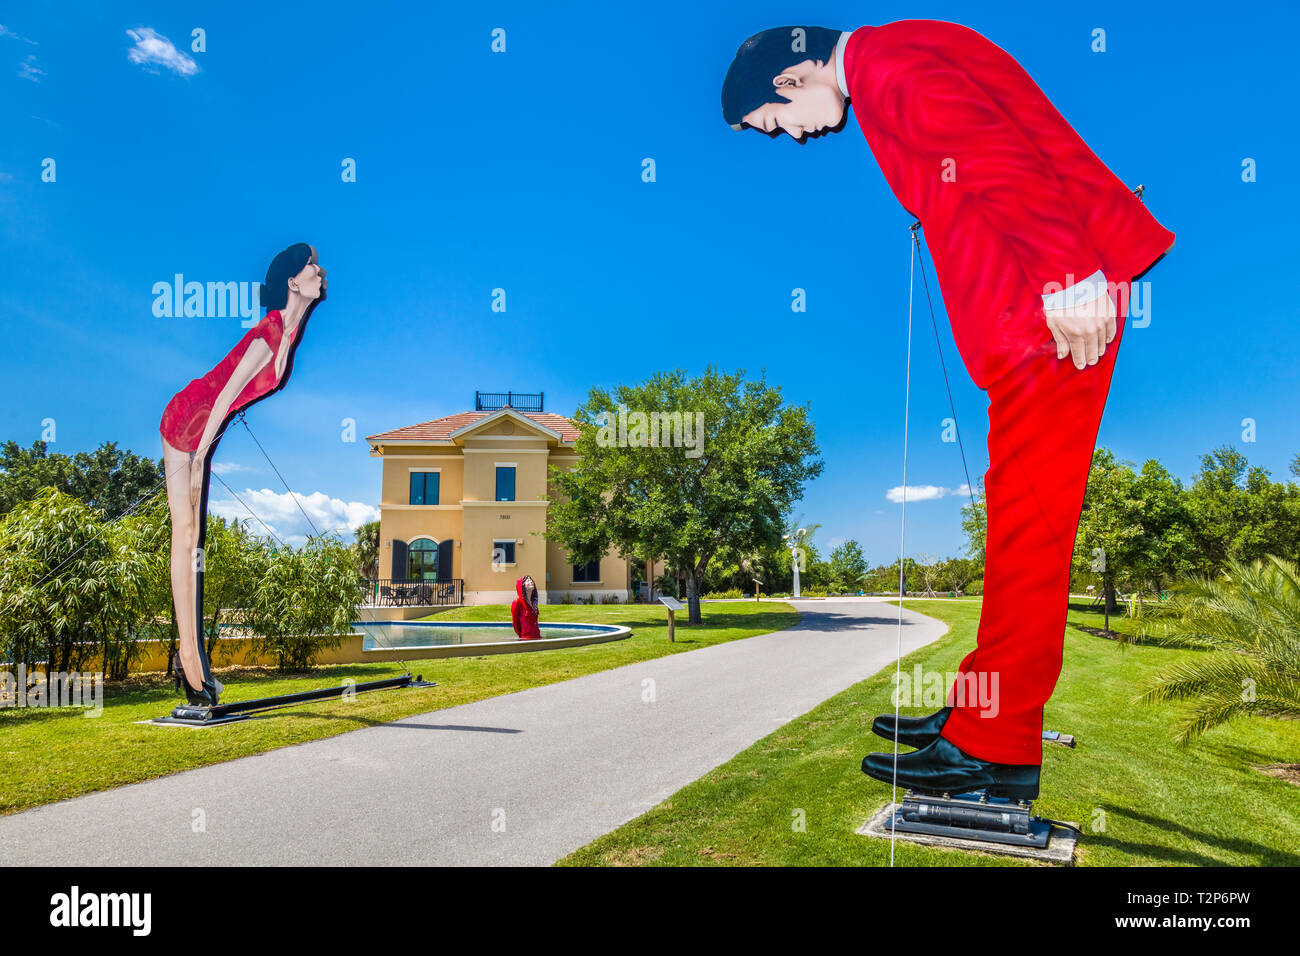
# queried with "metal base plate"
point(196, 715)
point(994, 825)
point(194, 722)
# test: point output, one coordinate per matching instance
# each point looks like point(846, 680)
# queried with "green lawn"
point(48, 755)
point(1161, 805)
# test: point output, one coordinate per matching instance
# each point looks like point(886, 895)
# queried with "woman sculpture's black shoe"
point(206, 696)
point(943, 768)
point(911, 731)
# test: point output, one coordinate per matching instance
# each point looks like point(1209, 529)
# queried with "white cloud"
point(228, 467)
point(29, 69)
point(153, 49)
point(281, 513)
point(6, 32)
point(925, 492)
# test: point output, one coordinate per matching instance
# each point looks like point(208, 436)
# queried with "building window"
point(424, 487)
point(505, 483)
point(588, 573)
point(422, 560)
point(503, 551)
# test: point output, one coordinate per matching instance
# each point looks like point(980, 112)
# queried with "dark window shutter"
point(399, 560)
point(445, 559)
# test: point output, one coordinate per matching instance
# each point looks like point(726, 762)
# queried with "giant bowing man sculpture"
point(1035, 243)
point(193, 423)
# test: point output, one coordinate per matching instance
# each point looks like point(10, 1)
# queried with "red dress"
point(186, 415)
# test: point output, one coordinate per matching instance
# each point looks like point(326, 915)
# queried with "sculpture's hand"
point(1083, 331)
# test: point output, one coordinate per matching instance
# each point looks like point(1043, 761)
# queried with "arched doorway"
point(422, 560)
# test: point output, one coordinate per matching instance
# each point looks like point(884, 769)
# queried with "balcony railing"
point(519, 401)
point(387, 592)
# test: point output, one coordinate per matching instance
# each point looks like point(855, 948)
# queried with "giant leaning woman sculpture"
point(193, 423)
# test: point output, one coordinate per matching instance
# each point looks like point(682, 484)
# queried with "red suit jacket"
point(1011, 198)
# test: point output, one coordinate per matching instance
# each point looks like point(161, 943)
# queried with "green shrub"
point(303, 602)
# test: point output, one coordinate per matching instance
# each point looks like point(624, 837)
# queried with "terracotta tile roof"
point(441, 428)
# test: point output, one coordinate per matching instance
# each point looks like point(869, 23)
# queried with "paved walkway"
point(520, 779)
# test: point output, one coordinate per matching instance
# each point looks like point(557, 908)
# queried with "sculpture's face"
point(802, 108)
point(310, 283)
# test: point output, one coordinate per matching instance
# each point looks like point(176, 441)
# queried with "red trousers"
point(1043, 420)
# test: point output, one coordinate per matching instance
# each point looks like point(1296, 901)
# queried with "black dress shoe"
point(911, 731)
point(943, 768)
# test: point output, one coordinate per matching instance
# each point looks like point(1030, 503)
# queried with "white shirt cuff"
point(1093, 287)
point(839, 62)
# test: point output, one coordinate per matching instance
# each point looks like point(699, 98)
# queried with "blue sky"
point(522, 170)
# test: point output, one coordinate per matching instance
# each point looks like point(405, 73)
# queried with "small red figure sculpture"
point(523, 611)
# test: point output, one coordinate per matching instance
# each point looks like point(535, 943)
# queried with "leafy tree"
point(113, 480)
point(884, 579)
point(755, 456)
point(25, 471)
point(1164, 549)
point(107, 479)
point(956, 574)
point(1238, 512)
point(1110, 526)
point(848, 566)
point(974, 523)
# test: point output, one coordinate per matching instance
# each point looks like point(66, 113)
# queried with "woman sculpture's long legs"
point(200, 686)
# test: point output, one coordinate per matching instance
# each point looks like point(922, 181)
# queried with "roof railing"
point(519, 401)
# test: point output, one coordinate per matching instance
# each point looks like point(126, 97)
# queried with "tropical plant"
point(366, 549)
point(303, 601)
point(1248, 622)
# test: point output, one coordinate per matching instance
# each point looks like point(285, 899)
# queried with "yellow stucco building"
point(464, 498)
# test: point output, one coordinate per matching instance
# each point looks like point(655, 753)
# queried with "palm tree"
point(366, 549)
point(1248, 620)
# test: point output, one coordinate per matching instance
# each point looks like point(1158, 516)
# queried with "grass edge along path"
point(48, 755)
point(796, 797)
